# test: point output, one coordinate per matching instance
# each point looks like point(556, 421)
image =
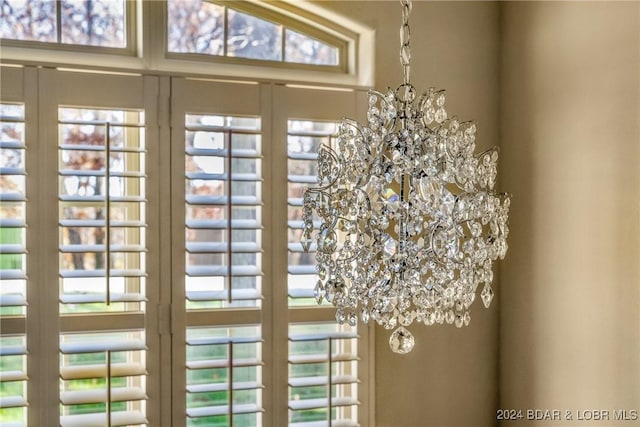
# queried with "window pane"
point(195, 26)
point(303, 49)
point(255, 38)
point(94, 22)
point(33, 20)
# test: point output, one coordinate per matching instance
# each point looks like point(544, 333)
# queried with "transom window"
point(87, 23)
point(244, 30)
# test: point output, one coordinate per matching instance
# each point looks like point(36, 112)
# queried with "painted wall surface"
point(450, 378)
point(569, 307)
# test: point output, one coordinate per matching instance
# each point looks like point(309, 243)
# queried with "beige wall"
point(569, 320)
point(557, 85)
point(450, 378)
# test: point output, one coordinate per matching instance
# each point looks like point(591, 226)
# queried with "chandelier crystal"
point(409, 222)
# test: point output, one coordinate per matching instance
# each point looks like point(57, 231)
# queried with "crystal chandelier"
point(409, 222)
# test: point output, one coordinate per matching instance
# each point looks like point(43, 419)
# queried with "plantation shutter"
point(327, 369)
point(17, 124)
point(219, 293)
point(107, 279)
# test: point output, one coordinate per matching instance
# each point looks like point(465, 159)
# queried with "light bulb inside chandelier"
point(409, 222)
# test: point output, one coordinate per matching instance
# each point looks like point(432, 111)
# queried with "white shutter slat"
point(300, 405)
point(223, 247)
point(12, 223)
point(120, 418)
point(223, 200)
point(12, 402)
point(12, 300)
point(221, 224)
point(302, 179)
point(211, 411)
point(297, 247)
point(15, 144)
point(13, 376)
point(322, 336)
point(302, 269)
point(303, 156)
point(242, 177)
point(12, 248)
point(100, 371)
point(236, 294)
point(320, 358)
point(118, 394)
point(220, 152)
point(236, 270)
point(100, 223)
point(12, 197)
point(100, 173)
point(102, 248)
point(322, 380)
point(85, 298)
point(102, 346)
point(12, 274)
point(223, 340)
point(13, 350)
point(100, 273)
point(102, 199)
point(222, 363)
point(208, 388)
point(84, 147)
point(18, 171)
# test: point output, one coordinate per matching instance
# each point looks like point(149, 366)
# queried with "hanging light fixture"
point(409, 222)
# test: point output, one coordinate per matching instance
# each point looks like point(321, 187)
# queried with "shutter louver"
point(102, 210)
point(303, 141)
point(102, 376)
point(102, 266)
point(13, 259)
point(323, 381)
point(223, 181)
point(224, 371)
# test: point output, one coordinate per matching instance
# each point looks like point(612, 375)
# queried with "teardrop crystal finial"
point(401, 341)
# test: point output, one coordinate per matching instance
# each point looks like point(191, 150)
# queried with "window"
point(150, 273)
point(247, 31)
point(103, 23)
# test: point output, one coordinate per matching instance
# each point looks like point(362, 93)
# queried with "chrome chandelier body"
point(409, 222)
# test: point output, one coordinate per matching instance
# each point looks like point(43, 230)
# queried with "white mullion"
point(178, 310)
point(161, 169)
point(268, 233)
point(153, 263)
point(279, 323)
point(48, 283)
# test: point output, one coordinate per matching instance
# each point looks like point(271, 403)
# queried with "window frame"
point(287, 21)
point(150, 50)
point(131, 25)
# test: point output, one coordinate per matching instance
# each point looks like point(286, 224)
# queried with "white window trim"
point(150, 56)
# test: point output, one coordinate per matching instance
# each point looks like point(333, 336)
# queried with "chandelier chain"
point(405, 36)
